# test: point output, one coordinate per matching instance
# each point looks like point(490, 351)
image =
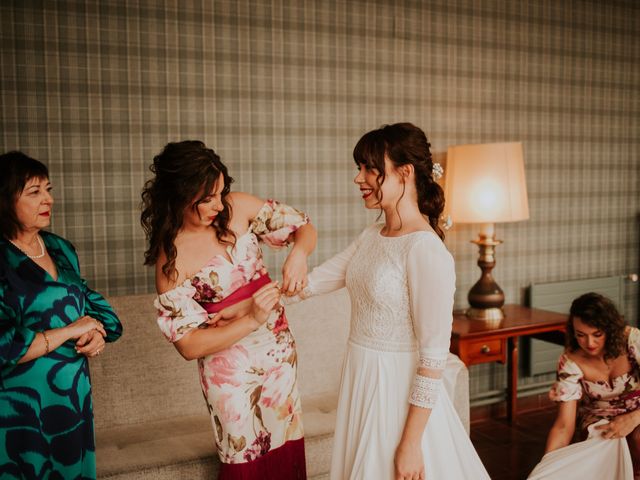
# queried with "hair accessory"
point(447, 223)
point(437, 171)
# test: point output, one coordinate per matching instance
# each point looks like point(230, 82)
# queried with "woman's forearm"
point(415, 424)
point(305, 239)
point(560, 436)
point(45, 342)
point(206, 341)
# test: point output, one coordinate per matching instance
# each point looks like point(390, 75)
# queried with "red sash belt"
point(240, 294)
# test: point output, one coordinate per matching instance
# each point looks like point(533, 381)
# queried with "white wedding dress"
point(596, 457)
point(401, 291)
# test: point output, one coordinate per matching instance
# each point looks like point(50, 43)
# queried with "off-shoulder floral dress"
point(600, 400)
point(250, 388)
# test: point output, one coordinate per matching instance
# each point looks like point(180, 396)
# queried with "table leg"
point(512, 379)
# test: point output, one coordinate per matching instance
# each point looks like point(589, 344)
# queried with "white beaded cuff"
point(425, 391)
point(435, 363)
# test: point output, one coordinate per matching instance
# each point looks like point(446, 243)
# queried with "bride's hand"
point(408, 461)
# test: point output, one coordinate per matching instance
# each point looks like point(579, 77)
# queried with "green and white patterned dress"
point(46, 416)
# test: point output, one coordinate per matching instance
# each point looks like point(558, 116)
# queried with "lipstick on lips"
point(366, 192)
point(46, 214)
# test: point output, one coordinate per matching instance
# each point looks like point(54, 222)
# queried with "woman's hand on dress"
point(294, 273)
point(90, 344)
point(232, 313)
point(265, 301)
point(620, 426)
point(84, 325)
point(409, 462)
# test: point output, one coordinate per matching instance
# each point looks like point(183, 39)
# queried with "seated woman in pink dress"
point(598, 381)
point(205, 244)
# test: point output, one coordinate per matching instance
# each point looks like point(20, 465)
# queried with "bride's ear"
point(405, 171)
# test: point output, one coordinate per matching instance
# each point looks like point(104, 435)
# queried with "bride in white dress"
point(395, 419)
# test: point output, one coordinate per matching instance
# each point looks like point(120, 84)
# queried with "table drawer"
point(486, 351)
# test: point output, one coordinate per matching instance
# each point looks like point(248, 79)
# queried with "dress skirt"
point(596, 457)
point(372, 410)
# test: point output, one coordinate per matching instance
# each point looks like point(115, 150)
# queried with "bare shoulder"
point(163, 283)
point(245, 205)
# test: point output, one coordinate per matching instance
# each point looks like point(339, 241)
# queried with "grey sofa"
point(151, 420)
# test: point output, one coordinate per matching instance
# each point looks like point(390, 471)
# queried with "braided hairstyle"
point(184, 174)
point(404, 144)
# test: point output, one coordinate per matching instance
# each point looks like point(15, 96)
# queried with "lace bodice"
point(377, 282)
point(401, 291)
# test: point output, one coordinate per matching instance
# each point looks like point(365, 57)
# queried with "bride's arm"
point(328, 276)
point(431, 280)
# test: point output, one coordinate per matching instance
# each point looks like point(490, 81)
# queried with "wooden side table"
point(476, 341)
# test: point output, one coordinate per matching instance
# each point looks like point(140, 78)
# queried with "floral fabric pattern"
point(250, 388)
point(600, 399)
point(275, 223)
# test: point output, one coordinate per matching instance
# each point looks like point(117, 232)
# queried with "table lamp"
point(485, 184)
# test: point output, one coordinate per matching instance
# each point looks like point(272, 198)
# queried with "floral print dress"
point(250, 388)
point(600, 400)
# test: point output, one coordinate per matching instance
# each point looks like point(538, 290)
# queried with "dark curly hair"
point(404, 144)
point(17, 169)
point(184, 175)
point(599, 312)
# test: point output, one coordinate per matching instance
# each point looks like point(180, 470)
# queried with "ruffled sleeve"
point(275, 222)
point(178, 312)
point(568, 384)
point(432, 281)
point(633, 343)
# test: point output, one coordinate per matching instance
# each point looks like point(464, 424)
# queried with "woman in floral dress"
point(598, 388)
point(205, 244)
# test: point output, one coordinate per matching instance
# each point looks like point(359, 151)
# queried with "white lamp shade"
point(485, 183)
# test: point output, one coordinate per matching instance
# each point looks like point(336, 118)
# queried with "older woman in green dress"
point(51, 322)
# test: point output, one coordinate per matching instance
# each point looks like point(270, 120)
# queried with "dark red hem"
point(283, 463)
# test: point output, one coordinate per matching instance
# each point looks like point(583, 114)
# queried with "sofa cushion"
point(153, 444)
point(150, 446)
point(141, 377)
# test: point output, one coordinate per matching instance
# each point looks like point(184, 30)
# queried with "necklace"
point(35, 257)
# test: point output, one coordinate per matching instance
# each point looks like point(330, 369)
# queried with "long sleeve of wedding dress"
point(431, 279)
point(330, 275)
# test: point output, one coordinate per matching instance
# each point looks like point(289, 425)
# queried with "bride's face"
point(379, 196)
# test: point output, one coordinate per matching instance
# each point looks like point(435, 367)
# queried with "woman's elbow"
point(114, 334)
point(188, 352)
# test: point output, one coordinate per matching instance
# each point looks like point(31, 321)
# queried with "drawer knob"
point(485, 349)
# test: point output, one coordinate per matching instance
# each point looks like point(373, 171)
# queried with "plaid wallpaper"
point(284, 89)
